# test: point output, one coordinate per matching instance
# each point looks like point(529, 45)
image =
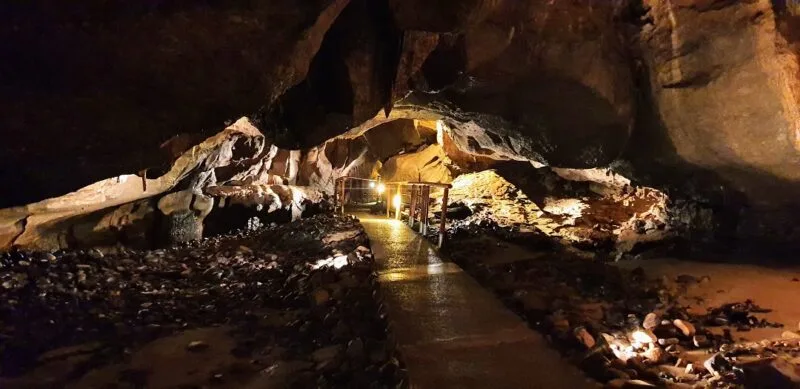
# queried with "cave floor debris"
point(677, 324)
point(291, 305)
point(776, 287)
point(452, 332)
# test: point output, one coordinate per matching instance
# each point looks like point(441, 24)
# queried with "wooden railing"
point(419, 200)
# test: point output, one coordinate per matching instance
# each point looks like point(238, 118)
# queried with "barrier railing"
point(419, 200)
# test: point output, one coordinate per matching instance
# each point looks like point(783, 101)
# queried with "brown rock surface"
point(46, 222)
point(430, 164)
point(724, 83)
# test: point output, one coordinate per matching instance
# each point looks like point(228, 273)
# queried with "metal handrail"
point(436, 184)
point(420, 200)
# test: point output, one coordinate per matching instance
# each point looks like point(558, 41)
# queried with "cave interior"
point(308, 194)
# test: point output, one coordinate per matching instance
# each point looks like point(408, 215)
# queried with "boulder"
point(183, 215)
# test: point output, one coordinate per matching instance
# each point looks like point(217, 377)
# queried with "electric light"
point(381, 188)
point(372, 184)
point(397, 201)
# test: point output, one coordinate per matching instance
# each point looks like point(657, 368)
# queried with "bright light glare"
point(381, 188)
point(643, 337)
point(335, 262)
point(372, 184)
point(397, 200)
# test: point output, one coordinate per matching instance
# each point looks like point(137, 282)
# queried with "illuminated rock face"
point(129, 209)
point(723, 79)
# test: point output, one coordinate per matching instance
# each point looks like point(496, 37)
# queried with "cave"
point(400, 194)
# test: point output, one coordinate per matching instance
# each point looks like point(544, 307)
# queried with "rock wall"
point(699, 95)
point(722, 78)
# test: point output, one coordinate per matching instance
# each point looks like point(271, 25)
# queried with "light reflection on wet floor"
point(451, 331)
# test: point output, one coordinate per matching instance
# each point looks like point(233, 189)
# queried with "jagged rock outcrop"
point(267, 198)
point(46, 224)
point(113, 80)
point(552, 77)
point(144, 211)
point(359, 154)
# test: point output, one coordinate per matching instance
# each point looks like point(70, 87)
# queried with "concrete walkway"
point(451, 331)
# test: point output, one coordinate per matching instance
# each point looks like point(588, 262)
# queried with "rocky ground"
point(679, 325)
point(294, 305)
point(594, 210)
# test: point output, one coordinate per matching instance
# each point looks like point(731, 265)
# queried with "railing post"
point(344, 185)
point(443, 219)
point(396, 208)
point(335, 195)
point(413, 206)
point(388, 201)
point(423, 227)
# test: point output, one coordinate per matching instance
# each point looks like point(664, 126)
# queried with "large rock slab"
point(45, 225)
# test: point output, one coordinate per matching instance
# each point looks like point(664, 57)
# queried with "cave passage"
point(399, 194)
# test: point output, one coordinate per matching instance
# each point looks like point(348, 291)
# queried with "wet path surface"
point(451, 331)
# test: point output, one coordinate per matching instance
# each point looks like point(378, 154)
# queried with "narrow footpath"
point(451, 332)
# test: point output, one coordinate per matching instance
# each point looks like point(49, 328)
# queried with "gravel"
point(279, 288)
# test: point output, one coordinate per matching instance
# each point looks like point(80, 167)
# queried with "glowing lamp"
point(397, 201)
point(372, 184)
point(381, 188)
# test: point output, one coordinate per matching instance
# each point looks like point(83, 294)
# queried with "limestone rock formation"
point(553, 75)
point(488, 194)
point(700, 96)
point(123, 209)
point(42, 224)
point(360, 153)
point(267, 198)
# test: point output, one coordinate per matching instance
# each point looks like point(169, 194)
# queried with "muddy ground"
point(744, 318)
